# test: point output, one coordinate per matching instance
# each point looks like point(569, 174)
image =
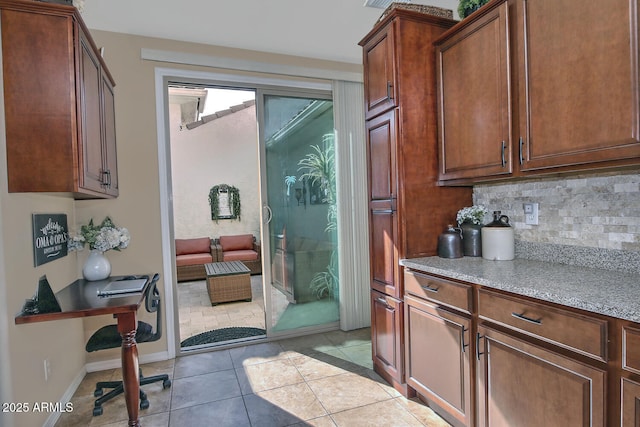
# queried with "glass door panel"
point(298, 191)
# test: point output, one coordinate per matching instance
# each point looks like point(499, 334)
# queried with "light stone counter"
point(612, 293)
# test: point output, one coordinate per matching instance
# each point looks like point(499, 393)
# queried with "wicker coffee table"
point(228, 281)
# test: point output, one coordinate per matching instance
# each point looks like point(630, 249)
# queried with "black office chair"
point(109, 337)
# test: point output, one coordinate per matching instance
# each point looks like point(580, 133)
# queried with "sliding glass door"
point(298, 189)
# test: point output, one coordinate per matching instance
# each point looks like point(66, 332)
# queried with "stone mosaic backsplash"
point(595, 214)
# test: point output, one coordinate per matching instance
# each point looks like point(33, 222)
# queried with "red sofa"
point(240, 247)
point(192, 255)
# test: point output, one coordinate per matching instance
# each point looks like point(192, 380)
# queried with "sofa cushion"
point(193, 259)
point(237, 242)
point(193, 246)
point(241, 255)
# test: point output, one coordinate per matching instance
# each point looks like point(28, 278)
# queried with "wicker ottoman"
point(228, 281)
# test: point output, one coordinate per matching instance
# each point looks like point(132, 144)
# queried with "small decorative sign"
point(50, 235)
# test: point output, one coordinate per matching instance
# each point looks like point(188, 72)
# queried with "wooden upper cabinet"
point(578, 73)
point(474, 99)
point(558, 84)
point(380, 76)
point(59, 103)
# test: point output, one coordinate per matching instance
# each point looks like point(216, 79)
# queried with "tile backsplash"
point(594, 211)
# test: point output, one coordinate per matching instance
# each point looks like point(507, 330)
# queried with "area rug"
point(223, 334)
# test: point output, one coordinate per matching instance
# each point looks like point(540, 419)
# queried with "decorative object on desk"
point(96, 267)
point(467, 7)
point(498, 239)
point(225, 202)
point(470, 220)
point(50, 234)
point(44, 301)
point(450, 243)
point(100, 239)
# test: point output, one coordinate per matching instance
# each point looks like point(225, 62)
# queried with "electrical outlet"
point(47, 369)
point(530, 213)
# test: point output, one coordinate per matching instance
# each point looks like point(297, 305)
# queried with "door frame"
point(163, 76)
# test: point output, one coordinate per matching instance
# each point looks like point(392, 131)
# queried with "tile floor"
point(197, 315)
point(318, 380)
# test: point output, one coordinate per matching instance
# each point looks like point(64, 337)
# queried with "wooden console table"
point(80, 299)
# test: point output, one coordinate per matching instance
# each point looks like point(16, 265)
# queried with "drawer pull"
point(527, 319)
point(429, 288)
point(383, 302)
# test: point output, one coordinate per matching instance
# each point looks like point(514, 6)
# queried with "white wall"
point(222, 151)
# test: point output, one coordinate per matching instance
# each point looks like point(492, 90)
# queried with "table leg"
point(127, 325)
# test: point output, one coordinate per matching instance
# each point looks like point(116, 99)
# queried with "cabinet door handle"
point(527, 319)
point(108, 172)
point(521, 150)
point(463, 346)
point(389, 90)
point(429, 289)
point(478, 338)
point(503, 149)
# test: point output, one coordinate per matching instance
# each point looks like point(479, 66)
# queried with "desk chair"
point(108, 337)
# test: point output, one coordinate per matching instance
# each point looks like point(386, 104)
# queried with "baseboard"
point(66, 397)
point(116, 363)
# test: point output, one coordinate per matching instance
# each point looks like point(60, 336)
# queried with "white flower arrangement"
point(103, 237)
point(472, 215)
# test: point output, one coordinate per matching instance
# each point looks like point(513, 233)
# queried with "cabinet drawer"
point(442, 291)
point(631, 349)
point(576, 332)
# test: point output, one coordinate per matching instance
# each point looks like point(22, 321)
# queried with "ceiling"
point(324, 29)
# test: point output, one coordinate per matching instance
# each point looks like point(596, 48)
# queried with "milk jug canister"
point(498, 243)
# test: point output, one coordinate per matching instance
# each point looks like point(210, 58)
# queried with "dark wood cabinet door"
point(387, 336)
point(521, 384)
point(381, 152)
point(380, 74)
point(109, 126)
point(91, 148)
point(438, 358)
point(383, 220)
point(474, 99)
point(383, 253)
point(578, 91)
point(630, 403)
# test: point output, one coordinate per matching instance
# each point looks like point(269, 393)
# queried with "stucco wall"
point(222, 151)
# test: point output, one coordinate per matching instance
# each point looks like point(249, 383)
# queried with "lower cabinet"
point(629, 403)
point(521, 384)
point(387, 338)
point(438, 354)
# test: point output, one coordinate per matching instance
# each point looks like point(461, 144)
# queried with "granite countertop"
point(612, 293)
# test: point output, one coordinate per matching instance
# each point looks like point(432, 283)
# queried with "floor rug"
point(224, 334)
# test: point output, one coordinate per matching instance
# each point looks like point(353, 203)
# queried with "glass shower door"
point(298, 193)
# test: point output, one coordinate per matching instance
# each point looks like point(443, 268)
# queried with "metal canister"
point(450, 243)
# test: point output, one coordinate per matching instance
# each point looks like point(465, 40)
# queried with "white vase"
point(97, 266)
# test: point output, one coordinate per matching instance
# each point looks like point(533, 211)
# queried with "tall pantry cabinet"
point(407, 210)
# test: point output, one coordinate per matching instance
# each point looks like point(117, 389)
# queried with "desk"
point(80, 299)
